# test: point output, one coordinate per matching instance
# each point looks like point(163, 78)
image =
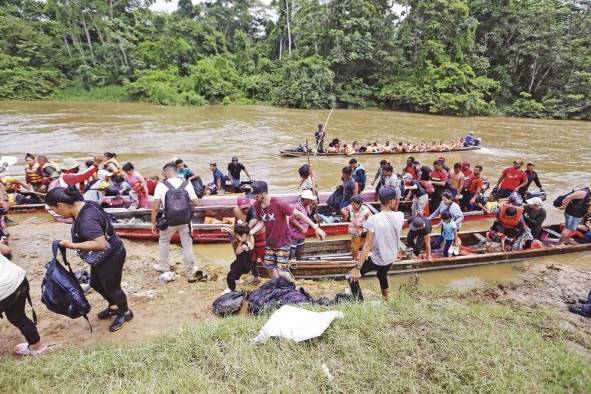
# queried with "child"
point(358, 213)
point(449, 232)
point(243, 244)
point(487, 204)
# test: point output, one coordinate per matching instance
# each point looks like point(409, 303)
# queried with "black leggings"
point(369, 266)
point(106, 279)
point(239, 267)
point(14, 309)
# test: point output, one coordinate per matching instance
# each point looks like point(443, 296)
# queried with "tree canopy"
point(458, 57)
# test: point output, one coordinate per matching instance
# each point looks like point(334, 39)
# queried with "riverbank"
point(516, 336)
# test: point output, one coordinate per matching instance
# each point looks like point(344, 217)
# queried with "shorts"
point(571, 222)
point(277, 258)
point(297, 243)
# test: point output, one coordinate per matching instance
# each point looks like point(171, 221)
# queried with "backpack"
point(578, 208)
point(228, 304)
point(60, 291)
point(428, 186)
point(177, 205)
point(335, 198)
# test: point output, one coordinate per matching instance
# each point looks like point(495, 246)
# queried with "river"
point(149, 135)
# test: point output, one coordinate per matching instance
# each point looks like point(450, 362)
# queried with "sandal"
point(23, 349)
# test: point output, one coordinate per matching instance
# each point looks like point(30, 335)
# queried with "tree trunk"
point(88, 38)
point(287, 18)
point(67, 46)
point(534, 71)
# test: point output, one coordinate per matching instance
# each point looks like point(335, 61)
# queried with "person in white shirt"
point(384, 230)
point(14, 293)
point(184, 230)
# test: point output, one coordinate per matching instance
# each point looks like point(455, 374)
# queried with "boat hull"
point(288, 153)
point(327, 268)
point(212, 233)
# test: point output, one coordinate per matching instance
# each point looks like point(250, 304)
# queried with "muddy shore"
point(163, 308)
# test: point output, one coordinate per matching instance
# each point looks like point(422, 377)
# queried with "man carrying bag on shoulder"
point(177, 198)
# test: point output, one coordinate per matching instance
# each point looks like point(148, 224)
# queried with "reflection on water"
point(149, 135)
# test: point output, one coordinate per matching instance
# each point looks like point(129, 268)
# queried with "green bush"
point(526, 107)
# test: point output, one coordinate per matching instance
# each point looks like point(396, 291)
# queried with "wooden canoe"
point(212, 233)
point(332, 259)
point(293, 153)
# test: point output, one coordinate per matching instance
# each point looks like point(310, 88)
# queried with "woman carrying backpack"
point(97, 244)
point(14, 293)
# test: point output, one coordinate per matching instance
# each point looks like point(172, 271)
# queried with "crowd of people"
point(337, 146)
point(272, 232)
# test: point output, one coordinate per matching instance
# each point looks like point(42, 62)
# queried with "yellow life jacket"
point(32, 175)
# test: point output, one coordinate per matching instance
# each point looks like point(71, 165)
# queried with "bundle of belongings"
point(270, 296)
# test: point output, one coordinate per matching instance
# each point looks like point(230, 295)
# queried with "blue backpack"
point(60, 290)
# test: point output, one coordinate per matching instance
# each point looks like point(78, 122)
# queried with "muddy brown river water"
point(150, 135)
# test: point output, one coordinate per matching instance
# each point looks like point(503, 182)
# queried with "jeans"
point(14, 308)
point(184, 231)
point(419, 204)
point(571, 222)
point(106, 279)
point(446, 246)
point(369, 266)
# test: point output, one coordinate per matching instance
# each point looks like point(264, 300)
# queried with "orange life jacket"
point(32, 175)
point(506, 221)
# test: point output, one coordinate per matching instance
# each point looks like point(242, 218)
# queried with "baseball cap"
point(520, 162)
point(387, 194)
point(70, 163)
point(417, 223)
point(243, 202)
point(307, 195)
point(258, 187)
point(535, 201)
point(407, 176)
point(530, 163)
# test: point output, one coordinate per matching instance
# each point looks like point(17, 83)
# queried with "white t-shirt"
point(161, 189)
point(11, 277)
point(387, 229)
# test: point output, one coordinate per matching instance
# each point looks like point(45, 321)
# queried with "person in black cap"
point(272, 214)
point(419, 236)
point(383, 241)
point(234, 170)
point(532, 176)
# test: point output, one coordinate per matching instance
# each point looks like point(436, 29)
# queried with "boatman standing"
point(319, 137)
point(382, 241)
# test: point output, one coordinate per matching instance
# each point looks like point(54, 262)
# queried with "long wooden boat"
point(138, 227)
point(332, 259)
point(294, 153)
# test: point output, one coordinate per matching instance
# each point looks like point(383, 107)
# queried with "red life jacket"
point(512, 221)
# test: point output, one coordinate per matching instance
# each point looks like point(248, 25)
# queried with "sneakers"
point(23, 349)
point(197, 276)
point(158, 267)
point(579, 310)
point(107, 313)
point(121, 319)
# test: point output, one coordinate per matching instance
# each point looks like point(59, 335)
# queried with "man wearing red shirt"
point(512, 179)
point(474, 186)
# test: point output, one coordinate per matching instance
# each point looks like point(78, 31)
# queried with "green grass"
point(111, 93)
point(406, 345)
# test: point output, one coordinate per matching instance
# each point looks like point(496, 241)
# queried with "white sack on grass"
point(296, 324)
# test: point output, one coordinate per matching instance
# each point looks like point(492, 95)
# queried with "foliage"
point(426, 344)
point(526, 107)
point(455, 57)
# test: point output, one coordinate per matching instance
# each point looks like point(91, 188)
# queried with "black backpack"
point(60, 291)
point(228, 304)
point(177, 205)
point(335, 198)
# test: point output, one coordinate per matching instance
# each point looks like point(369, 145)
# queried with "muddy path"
point(164, 308)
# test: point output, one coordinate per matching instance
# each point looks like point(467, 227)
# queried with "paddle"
point(324, 131)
